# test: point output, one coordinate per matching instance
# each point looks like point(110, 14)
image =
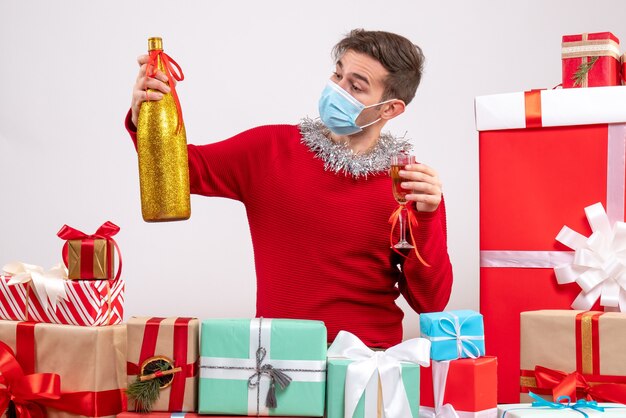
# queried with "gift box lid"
point(557, 107)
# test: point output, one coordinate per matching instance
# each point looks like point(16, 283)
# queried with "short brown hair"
point(401, 58)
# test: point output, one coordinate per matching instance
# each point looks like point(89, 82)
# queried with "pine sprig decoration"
point(145, 390)
point(583, 70)
point(145, 394)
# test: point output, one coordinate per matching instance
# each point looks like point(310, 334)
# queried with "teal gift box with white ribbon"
point(363, 383)
point(262, 367)
point(454, 334)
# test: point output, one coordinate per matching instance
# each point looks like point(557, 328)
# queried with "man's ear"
point(393, 109)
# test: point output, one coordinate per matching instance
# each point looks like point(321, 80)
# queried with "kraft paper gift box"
point(545, 156)
point(453, 334)
point(90, 256)
point(467, 385)
point(262, 367)
point(363, 383)
point(89, 364)
point(28, 293)
point(582, 347)
point(590, 60)
point(174, 340)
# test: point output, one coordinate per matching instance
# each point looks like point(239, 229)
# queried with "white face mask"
point(339, 110)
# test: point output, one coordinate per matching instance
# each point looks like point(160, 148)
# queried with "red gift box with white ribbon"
point(590, 60)
point(545, 156)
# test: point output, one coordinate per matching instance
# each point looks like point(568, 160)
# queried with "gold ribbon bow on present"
point(49, 286)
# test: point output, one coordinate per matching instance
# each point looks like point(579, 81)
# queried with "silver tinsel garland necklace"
point(337, 156)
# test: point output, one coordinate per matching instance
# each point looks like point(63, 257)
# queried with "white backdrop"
point(67, 68)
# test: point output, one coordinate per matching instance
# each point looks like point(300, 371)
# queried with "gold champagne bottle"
point(162, 149)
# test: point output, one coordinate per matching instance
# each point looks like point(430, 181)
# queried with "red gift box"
point(470, 387)
point(590, 60)
point(533, 182)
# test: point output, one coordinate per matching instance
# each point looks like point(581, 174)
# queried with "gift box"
point(562, 410)
point(454, 334)
point(84, 366)
point(159, 344)
point(467, 385)
point(590, 60)
point(28, 293)
point(90, 256)
point(262, 367)
point(363, 383)
point(623, 59)
point(565, 148)
point(573, 353)
point(526, 410)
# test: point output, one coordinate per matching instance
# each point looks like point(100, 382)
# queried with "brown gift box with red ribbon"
point(91, 256)
point(575, 353)
point(590, 60)
point(175, 340)
point(62, 371)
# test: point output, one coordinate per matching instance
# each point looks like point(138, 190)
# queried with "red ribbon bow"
point(563, 384)
point(27, 392)
point(412, 223)
point(106, 231)
point(151, 70)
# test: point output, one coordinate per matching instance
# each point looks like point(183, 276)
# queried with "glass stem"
point(402, 222)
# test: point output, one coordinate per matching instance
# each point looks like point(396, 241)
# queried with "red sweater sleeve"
point(230, 168)
point(427, 289)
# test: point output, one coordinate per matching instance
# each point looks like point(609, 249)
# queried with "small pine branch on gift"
point(582, 71)
point(145, 392)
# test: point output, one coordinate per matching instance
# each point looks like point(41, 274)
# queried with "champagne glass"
point(398, 162)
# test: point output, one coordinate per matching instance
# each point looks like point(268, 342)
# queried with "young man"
point(318, 197)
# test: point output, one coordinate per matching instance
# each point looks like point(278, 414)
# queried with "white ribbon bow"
point(387, 363)
point(452, 327)
point(49, 285)
point(440, 375)
point(599, 264)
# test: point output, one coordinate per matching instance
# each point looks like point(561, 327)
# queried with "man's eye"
point(337, 75)
point(355, 87)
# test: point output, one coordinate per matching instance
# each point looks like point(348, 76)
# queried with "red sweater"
point(321, 239)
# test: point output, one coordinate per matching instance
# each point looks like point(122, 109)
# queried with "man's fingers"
point(152, 83)
point(143, 59)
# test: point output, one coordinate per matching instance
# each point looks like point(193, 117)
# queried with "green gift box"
point(371, 403)
point(374, 384)
point(262, 367)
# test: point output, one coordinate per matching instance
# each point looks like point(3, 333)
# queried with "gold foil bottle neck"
point(155, 44)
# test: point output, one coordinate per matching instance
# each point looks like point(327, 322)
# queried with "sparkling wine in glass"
point(398, 162)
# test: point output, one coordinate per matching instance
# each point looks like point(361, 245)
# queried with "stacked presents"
point(62, 347)
point(65, 352)
point(552, 237)
point(461, 381)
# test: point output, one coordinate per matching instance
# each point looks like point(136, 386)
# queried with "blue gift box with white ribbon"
point(454, 334)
